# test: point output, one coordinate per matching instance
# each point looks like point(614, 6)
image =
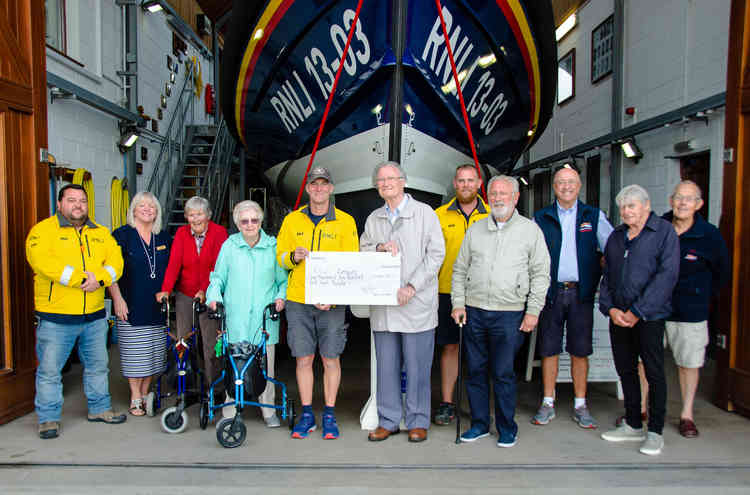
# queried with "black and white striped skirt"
point(142, 349)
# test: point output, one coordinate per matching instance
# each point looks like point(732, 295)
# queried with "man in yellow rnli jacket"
point(455, 218)
point(73, 259)
point(317, 226)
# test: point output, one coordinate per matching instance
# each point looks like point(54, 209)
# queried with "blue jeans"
point(54, 343)
point(491, 340)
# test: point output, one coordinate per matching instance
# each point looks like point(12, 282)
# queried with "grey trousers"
point(414, 351)
point(184, 313)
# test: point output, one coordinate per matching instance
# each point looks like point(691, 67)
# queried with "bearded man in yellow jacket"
point(73, 260)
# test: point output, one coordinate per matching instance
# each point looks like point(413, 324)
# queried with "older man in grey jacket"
point(404, 333)
point(500, 280)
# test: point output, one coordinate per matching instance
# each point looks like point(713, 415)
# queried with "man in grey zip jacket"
point(500, 281)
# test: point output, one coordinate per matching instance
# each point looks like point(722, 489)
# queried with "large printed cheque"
point(352, 278)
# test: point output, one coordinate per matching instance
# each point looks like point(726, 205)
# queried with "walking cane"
point(460, 377)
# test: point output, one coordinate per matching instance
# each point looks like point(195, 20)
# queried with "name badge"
point(161, 248)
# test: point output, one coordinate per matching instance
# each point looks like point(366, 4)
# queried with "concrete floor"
point(137, 457)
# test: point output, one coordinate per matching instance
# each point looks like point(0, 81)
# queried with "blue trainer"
point(305, 425)
point(330, 428)
point(473, 434)
point(507, 439)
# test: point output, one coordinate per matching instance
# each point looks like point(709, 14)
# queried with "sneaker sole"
point(443, 422)
point(621, 439)
point(301, 435)
point(590, 426)
point(330, 436)
point(507, 445)
point(102, 420)
point(650, 452)
point(535, 421)
point(469, 440)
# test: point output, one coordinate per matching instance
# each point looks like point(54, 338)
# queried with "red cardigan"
point(186, 268)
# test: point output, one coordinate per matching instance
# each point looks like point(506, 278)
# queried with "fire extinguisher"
point(209, 99)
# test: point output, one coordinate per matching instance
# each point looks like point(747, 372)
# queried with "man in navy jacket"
point(704, 269)
point(641, 268)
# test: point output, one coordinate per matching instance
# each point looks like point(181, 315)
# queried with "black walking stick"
point(460, 376)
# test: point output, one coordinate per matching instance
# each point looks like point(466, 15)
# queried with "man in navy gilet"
point(575, 234)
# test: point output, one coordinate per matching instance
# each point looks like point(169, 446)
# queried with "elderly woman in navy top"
point(642, 262)
point(140, 322)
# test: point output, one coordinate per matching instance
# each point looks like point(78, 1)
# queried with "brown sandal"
point(136, 407)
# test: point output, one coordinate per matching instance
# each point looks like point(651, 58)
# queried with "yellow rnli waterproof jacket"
point(60, 255)
point(337, 231)
point(454, 226)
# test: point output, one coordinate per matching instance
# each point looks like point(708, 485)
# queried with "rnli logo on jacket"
point(691, 256)
point(585, 227)
point(300, 234)
point(327, 235)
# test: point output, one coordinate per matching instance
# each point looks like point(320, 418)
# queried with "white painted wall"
point(80, 136)
point(675, 53)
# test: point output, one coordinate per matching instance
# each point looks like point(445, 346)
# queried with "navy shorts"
point(310, 329)
point(579, 317)
point(447, 330)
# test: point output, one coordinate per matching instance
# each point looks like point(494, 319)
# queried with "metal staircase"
point(206, 171)
point(194, 160)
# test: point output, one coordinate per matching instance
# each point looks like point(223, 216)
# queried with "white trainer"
point(653, 444)
point(624, 433)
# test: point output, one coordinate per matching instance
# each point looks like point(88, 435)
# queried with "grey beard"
point(500, 211)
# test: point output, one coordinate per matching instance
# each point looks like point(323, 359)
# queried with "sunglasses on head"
point(248, 221)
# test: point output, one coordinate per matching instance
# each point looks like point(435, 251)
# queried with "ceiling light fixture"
point(566, 26)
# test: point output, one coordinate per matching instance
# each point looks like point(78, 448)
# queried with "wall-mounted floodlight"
point(127, 139)
point(152, 6)
point(566, 26)
point(631, 150)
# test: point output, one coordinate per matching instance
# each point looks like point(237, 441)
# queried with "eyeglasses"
point(248, 221)
point(567, 182)
point(389, 180)
point(687, 199)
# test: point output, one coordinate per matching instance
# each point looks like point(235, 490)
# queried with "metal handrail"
point(168, 167)
point(216, 180)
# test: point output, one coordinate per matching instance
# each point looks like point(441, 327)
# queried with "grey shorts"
point(311, 329)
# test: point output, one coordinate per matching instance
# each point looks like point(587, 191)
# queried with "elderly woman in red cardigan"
point(192, 258)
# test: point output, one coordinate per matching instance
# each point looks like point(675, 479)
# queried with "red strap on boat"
point(328, 104)
point(460, 94)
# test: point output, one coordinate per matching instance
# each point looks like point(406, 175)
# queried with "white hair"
point(507, 179)
point(687, 182)
point(243, 206)
point(137, 200)
point(633, 192)
point(382, 165)
point(198, 203)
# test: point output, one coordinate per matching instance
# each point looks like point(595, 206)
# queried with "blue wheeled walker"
point(183, 373)
point(245, 371)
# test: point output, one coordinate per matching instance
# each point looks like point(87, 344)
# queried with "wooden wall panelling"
point(23, 132)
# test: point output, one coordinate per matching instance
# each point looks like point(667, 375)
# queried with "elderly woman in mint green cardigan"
point(246, 279)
